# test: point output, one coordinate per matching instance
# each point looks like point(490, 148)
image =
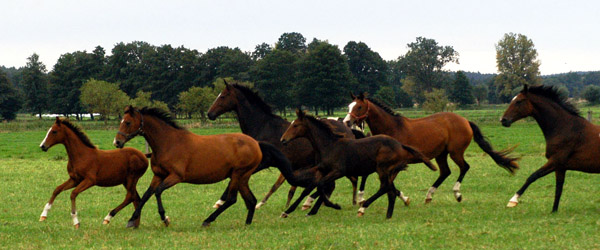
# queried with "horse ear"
point(57, 121)
point(525, 88)
point(300, 113)
point(129, 109)
point(227, 86)
point(352, 95)
point(361, 96)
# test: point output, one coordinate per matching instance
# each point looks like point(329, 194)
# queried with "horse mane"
point(324, 126)
point(253, 97)
point(77, 130)
point(552, 93)
point(386, 108)
point(161, 115)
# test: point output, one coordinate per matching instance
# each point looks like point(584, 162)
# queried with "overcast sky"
point(565, 33)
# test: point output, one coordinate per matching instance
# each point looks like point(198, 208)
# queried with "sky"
point(565, 33)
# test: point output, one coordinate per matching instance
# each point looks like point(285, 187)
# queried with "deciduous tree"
point(35, 85)
point(516, 59)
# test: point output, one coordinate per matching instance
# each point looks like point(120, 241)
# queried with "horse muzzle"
point(505, 122)
point(44, 148)
point(284, 141)
point(118, 144)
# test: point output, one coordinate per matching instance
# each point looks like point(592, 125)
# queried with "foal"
point(344, 157)
point(89, 166)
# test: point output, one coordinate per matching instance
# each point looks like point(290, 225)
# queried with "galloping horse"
point(89, 166)
point(258, 121)
point(181, 156)
point(346, 157)
point(572, 143)
point(436, 136)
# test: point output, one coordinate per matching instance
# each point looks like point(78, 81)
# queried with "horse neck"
point(380, 121)
point(552, 119)
point(158, 134)
point(252, 119)
point(74, 146)
point(320, 139)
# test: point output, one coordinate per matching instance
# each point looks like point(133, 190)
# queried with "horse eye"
point(127, 123)
point(359, 107)
point(53, 132)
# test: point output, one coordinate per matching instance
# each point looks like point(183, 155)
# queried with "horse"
point(89, 166)
point(257, 120)
point(179, 155)
point(572, 143)
point(360, 157)
point(436, 136)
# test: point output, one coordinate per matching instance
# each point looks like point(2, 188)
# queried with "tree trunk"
point(92, 116)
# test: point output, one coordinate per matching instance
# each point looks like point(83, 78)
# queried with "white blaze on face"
point(44, 141)
point(348, 116)
point(513, 99)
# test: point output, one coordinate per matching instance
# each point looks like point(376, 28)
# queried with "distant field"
point(481, 221)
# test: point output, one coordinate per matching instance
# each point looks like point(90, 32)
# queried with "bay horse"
point(572, 143)
point(436, 136)
point(89, 166)
point(257, 120)
point(361, 157)
point(179, 155)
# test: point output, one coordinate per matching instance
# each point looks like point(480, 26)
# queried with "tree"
point(386, 95)
point(275, 76)
point(480, 92)
point(435, 100)
point(424, 62)
point(516, 59)
point(293, 42)
point(128, 65)
point(35, 85)
point(10, 102)
point(224, 62)
point(369, 69)
point(591, 94)
point(324, 78)
point(461, 91)
point(196, 100)
point(260, 51)
point(143, 99)
point(103, 97)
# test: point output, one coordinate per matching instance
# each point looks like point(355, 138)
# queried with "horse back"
point(115, 166)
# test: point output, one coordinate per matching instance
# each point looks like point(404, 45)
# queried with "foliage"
point(480, 93)
point(517, 63)
point(293, 42)
point(275, 76)
point(369, 69)
point(386, 95)
point(435, 100)
point(143, 99)
point(103, 97)
point(591, 94)
point(196, 100)
point(403, 99)
point(35, 85)
point(424, 62)
point(460, 90)
point(260, 51)
point(10, 101)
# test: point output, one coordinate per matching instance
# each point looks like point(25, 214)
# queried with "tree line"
point(292, 72)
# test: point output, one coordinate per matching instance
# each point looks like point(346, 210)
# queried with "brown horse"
point(182, 156)
point(436, 136)
point(572, 143)
point(88, 166)
point(258, 121)
point(344, 157)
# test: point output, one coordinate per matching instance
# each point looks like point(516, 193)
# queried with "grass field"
point(28, 177)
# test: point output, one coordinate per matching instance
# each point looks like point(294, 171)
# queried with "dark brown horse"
point(345, 157)
point(182, 156)
point(436, 136)
point(258, 121)
point(572, 143)
point(88, 166)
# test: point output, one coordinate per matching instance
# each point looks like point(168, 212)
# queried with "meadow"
point(28, 177)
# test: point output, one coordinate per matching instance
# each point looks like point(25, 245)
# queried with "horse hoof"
point(105, 222)
point(428, 200)
point(459, 198)
point(205, 224)
point(77, 226)
point(260, 204)
point(134, 224)
point(512, 204)
point(167, 221)
point(360, 214)
point(337, 207)
point(305, 207)
point(407, 202)
point(216, 205)
point(43, 218)
point(284, 215)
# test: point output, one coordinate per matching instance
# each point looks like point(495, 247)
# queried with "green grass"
point(28, 177)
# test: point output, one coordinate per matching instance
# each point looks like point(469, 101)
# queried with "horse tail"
point(420, 156)
point(273, 157)
point(358, 134)
point(500, 157)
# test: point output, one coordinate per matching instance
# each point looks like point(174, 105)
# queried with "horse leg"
point(128, 199)
point(325, 194)
point(231, 199)
point(222, 199)
point(294, 205)
point(361, 190)
point(249, 200)
point(354, 181)
point(82, 186)
point(459, 159)
point(549, 167)
point(291, 193)
point(560, 180)
point(383, 188)
point(168, 182)
point(70, 183)
point(399, 193)
point(309, 201)
point(442, 162)
point(134, 221)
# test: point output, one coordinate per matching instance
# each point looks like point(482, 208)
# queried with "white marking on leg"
point(515, 198)
point(361, 210)
point(430, 193)
point(219, 203)
point(75, 220)
point(260, 204)
point(108, 217)
point(361, 196)
point(456, 190)
point(44, 141)
point(404, 198)
point(46, 210)
point(308, 202)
